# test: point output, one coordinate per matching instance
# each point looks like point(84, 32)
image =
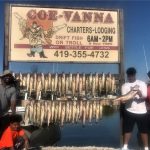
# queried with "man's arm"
point(13, 101)
point(26, 141)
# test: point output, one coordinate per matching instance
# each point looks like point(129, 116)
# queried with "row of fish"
point(39, 112)
point(63, 84)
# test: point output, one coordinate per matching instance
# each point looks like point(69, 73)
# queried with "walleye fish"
point(101, 111)
point(131, 94)
point(70, 111)
point(42, 111)
point(21, 79)
point(96, 82)
point(77, 82)
point(73, 86)
point(90, 81)
point(83, 81)
point(52, 111)
point(77, 116)
point(74, 111)
point(31, 86)
point(97, 115)
point(56, 111)
point(46, 84)
point(52, 84)
point(81, 108)
point(80, 86)
point(24, 81)
point(45, 111)
point(67, 85)
point(70, 81)
point(31, 111)
point(83, 116)
point(100, 85)
point(56, 82)
point(38, 113)
point(93, 86)
point(49, 81)
point(63, 115)
point(103, 81)
point(90, 112)
point(59, 85)
point(49, 113)
point(113, 84)
point(34, 81)
point(59, 110)
point(87, 108)
point(26, 115)
point(28, 81)
point(94, 109)
point(42, 79)
point(63, 84)
point(67, 107)
point(38, 90)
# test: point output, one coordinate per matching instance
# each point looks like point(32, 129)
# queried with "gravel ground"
point(79, 148)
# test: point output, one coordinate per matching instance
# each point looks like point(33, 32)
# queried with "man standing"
point(8, 94)
point(135, 109)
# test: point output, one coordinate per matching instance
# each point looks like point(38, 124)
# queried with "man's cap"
point(5, 73)
point(131, 71)
point(148, 74)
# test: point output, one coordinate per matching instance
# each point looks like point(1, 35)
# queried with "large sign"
point(64, 35)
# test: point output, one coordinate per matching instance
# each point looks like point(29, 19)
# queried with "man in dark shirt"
point(8, 95)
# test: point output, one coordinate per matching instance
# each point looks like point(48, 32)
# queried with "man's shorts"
point(130, 119)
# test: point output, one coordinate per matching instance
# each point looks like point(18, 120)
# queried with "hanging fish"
point(49, 112)
point(63, 84)
point(31, 86)
point(26, 115)
point(49, 81)
point(70, 82)
point(42, 80)
point(34, 81)
point(83, 81)
point(74, 109)
point(103, 81)
point(56, 82)
point(67, 85)
point(77, 82)
point(73, 86)
point(28, 81)
point(63, 112)
point(42, 110)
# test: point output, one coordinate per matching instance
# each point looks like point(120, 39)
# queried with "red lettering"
point(41, 15)
point(87, 16)
point(98, 17)
point(67, 15)
point(76, 17)
point(52, 15)
point(108, 19)
point(31, 14)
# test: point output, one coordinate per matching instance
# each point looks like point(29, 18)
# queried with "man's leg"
point(142, 123)
point(128, 124)
point(144, 137)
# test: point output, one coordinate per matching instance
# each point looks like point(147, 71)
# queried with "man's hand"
point(139, 93)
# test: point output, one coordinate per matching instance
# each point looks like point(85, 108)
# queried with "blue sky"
point(136, 34)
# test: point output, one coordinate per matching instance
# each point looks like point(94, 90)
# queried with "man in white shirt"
point(135, 109)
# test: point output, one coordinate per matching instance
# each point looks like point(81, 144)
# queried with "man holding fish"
point(135, 111)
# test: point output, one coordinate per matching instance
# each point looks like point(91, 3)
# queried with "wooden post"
point(6, 39)
point(121, 70)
